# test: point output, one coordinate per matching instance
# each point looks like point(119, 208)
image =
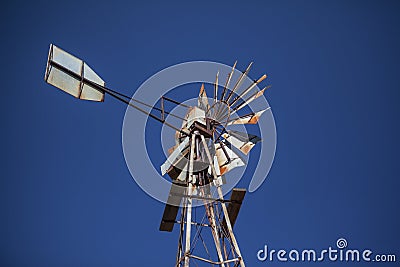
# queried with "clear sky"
point(66, 195)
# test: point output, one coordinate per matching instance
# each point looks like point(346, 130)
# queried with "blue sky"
point(67, 198)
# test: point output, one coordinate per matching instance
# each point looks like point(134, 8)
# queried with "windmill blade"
point(202, 100)
point(216, 88)
point(216, 167)
point(228, 80)
point(182, 175)
point(248, 89)
point(217, 170)
point(179, 137)
point(227, 159)
point(172, 207)
point(171, 149)
point(179, 172)
point(242, 141)
point(174, 155)
point(179, 165)
point(251, 118)
point(251, 98)
point(72, 75)
point(239, 82)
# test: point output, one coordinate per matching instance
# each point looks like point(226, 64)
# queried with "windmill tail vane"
point(205, 151)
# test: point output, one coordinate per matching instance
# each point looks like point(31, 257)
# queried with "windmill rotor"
point(213, 122)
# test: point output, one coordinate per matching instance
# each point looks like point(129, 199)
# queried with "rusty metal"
point(221, 161)
point(223, 147)
point(251, 118)
point(202, 100)
point(227, 159)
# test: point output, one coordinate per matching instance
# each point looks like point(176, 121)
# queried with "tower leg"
point(180, 241)
point(221, 196)
point(188, 224)
point(229, 226)
point(211, 214)
point(189, 202)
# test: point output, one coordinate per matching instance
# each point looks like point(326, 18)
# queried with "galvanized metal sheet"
point(182, 176)
point(67, 60)
point(216, 166)
point(88, 92)
point(71, 81)
point(202, 100)
point(64, 82)
point(227, 159)
point(171, 208)
point(195, 114)
point(234, 205)
point(174, 156)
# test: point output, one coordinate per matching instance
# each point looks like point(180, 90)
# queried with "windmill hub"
point(219, 112)
point(197, 121)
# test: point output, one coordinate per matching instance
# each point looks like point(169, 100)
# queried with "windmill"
point(205, 151)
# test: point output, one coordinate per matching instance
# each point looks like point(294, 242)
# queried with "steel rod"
point(228, 80)
point(248, 89)
point(181, 231)
point(189, 203)
point(115, 94)
point(175, 102)
point(214, 231)
point(214, 262)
